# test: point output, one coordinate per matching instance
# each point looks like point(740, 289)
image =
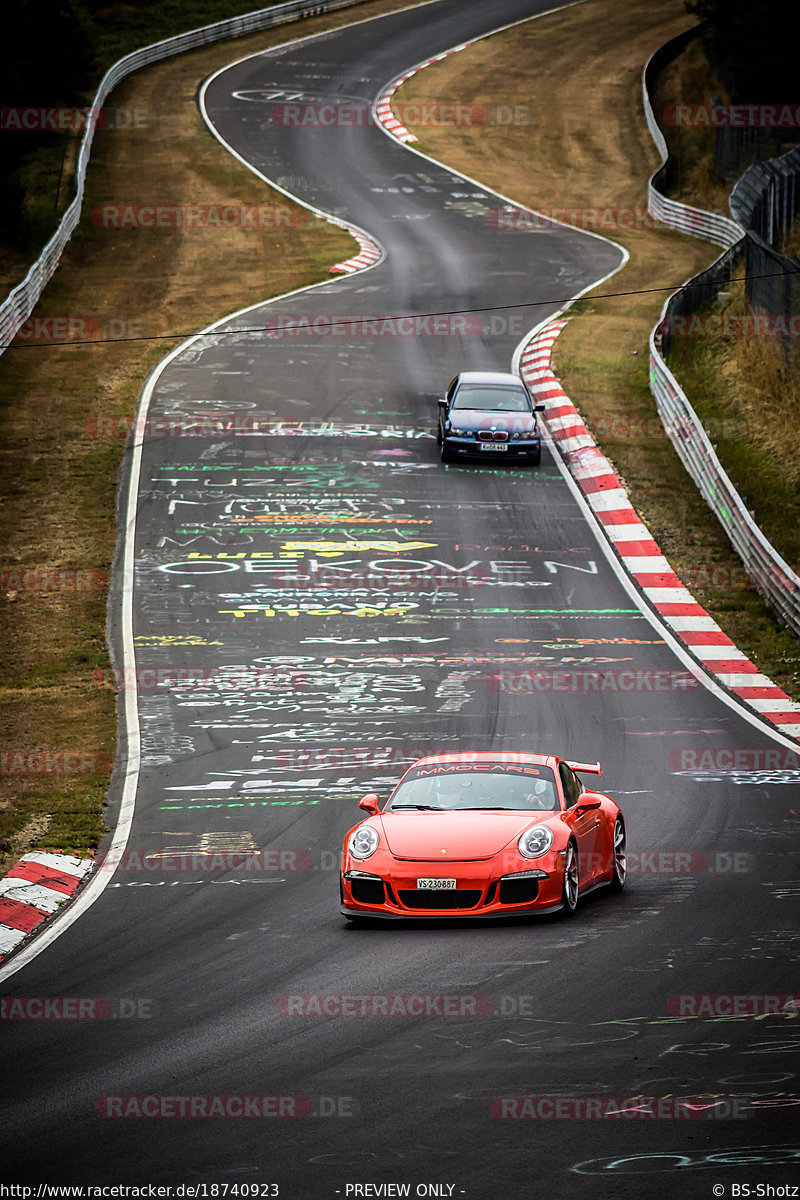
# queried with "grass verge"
point(590, 165)
point(57, 477)
point(749, 391)
point(37, 178)
point(743, 382)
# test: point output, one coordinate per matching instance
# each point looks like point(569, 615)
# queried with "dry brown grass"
point(593, 160)
point(747, 388)
point(58, 486)
point(750, 383)
point(57, 481)
point(762, 389)
point(767, 401)
point(687, 80)
point(791, 243)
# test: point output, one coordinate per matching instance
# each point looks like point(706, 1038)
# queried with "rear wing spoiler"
point(585, 768)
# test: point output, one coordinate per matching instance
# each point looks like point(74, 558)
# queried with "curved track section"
point(316, 602)
point(640, 555)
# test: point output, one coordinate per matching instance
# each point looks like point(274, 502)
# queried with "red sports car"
point(483, 835)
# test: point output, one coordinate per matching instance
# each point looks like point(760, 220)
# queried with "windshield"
point(491, 398)
point(488, 786)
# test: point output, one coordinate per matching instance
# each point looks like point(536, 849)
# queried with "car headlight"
point(363, 842)
point(535, 841)
point(460, 432)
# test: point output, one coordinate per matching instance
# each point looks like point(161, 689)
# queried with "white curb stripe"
point(634, 547)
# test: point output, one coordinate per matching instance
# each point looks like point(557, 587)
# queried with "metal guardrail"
point(770, 573)
point(718, 229)
point(21, 301)
point(766, 201)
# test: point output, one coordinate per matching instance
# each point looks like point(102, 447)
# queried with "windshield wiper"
point(425, 807)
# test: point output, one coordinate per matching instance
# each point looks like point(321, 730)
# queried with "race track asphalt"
point(318, 601)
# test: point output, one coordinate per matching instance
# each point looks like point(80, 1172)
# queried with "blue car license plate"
point(494, 446)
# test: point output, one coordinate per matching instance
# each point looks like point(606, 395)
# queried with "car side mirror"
point(370, 803)
point(442, 402)
point(539, 407)
point(586, 806)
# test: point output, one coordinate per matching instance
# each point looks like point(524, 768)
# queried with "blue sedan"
point(489, 414)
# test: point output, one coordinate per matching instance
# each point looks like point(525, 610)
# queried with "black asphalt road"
point(318, 601)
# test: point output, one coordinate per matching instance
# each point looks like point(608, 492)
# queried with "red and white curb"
point(368, 253)
point(33, 890)
point(384, 114)
point(382, 108)
point(639, 554)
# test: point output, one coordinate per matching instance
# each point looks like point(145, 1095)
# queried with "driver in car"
point(542, 797)
point(453, 791)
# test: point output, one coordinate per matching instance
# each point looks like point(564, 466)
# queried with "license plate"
point(436, 885)
point(494, 445)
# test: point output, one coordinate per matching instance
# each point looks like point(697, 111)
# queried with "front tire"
point(619, 863)
point(445, 453)
point(571, 884)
